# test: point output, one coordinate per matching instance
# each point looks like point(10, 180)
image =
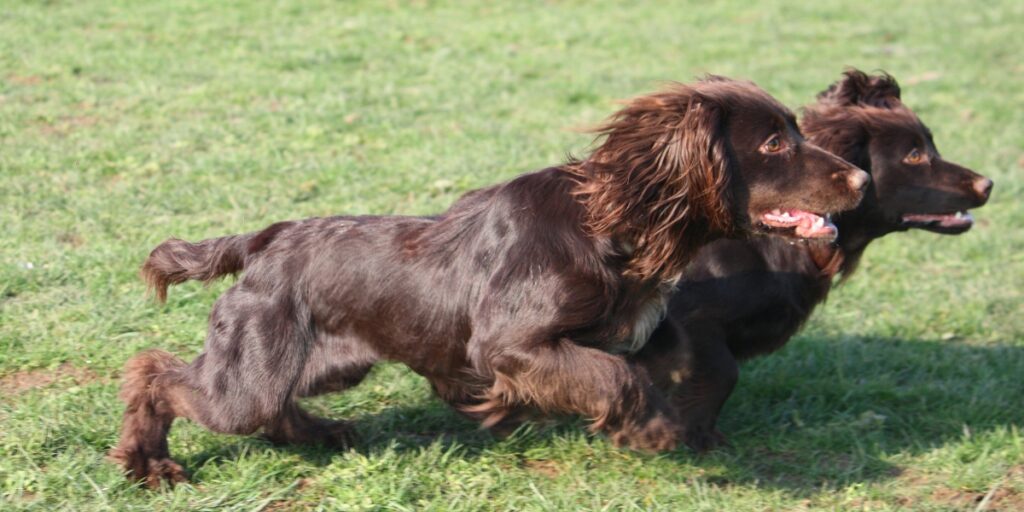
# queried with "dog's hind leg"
point(335, 363)
point(154, 396)
point(297, 426)
point(255, 352)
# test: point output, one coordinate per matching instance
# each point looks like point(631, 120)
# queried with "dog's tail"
point(175, 261)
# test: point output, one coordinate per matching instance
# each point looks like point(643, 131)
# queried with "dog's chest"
point(638, 326)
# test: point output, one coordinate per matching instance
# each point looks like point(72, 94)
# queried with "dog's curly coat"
point(524, 295)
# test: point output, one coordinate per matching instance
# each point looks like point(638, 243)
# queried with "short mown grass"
point(123, 123)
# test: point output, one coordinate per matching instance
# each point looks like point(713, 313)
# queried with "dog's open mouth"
point(943, 223)
point(804, 224)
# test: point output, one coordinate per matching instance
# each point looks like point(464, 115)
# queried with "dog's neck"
point(857, 229)
point(691, 236)
point(841, 257)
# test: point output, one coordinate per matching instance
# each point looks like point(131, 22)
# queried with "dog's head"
point(716, 158)
point(788, 186)
point(862, 119)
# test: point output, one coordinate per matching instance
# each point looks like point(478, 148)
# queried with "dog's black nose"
point(983, 186)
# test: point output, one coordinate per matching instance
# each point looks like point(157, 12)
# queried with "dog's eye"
point(773, 145)
point(915, 157)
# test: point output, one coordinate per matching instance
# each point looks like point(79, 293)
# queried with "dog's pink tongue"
point(814, 226)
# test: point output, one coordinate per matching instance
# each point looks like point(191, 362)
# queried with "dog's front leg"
point(563, 377)
point(694, 367)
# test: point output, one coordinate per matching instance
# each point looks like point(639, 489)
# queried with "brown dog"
point(524, 295)
point(739, 298)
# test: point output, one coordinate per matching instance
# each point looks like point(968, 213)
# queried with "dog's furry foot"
point(151, 470)
point(339, 434)
point(702, 440)
point(660, 433)
point(330, 433)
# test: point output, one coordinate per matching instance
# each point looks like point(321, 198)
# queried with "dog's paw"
point(151, 470)
point(165, 470)
point(659, 433)
point(339, 434)
point(703, 439)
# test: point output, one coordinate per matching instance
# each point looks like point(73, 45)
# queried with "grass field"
point(123, 123)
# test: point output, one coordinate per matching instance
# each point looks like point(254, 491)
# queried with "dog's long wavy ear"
point(700, 156)
point(836, 122)
point(659, 178)
point(859, 88)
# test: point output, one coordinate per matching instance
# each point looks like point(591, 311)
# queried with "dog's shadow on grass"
point(403, 429)
point(822, 413)
point(826, 412)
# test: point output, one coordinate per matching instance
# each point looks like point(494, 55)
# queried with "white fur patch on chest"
point(650, 315)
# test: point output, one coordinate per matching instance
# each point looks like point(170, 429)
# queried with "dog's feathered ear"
point(660, 172)
point(696, 152)
point(831, 122)
point(860, 88)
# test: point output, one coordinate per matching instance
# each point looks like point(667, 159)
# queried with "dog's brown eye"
point(914, 157)
point(773, 145)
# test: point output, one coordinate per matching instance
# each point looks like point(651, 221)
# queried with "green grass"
point(123, 123)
